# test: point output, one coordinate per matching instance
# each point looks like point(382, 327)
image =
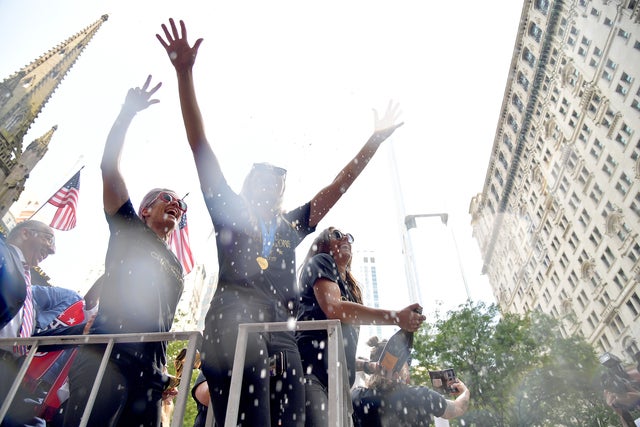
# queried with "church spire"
point(22, 97)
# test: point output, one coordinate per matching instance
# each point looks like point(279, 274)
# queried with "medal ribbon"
point(268, 236)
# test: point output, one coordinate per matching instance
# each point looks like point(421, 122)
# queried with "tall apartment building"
point(365, 272)
point(558, 219)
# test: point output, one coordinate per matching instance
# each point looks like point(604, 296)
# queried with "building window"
point(596, 149)
point(574, 201)
point(607, 75)
point(595, 12)
point(529, 57)
point(593, 320)
point(634, 304)
point(604, 343)
point(607, 257)
point(515, 100)
point(622, 90)
point(610, 165)
point(623, 184)
point(535, 32)
point(634, 253)
point(617, 325)
point(582, 299)
point(564, 261)
point(596, 194)
point(573, 280)
point(620, 279)
point(542, 6)
point(626, 78)
point(624, 34)
point(573, 241)
point(583, 176)
point(608, 22)
point(635, 204)
point(584, 218)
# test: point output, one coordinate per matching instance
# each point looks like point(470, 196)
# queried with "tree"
point(519, 369)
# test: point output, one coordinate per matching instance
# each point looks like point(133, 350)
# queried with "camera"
point(277, 364)
point(441, 380)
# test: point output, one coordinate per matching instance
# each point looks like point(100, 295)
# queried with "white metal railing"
point(340, 408)
point(194, 339)
point(339, 405)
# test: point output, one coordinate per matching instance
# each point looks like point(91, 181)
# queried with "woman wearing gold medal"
point(256, 243)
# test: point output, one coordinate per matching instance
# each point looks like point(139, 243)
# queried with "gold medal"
point(262, 262)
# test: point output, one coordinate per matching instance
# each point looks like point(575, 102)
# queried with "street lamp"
point(410, 220)
point(410, 262)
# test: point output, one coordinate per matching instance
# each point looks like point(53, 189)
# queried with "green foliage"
point(519, 369)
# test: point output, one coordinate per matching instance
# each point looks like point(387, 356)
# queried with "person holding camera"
point(329, 291)
point(621, 387)
point(389, 400)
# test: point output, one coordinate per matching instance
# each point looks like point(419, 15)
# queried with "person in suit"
point(27, 244)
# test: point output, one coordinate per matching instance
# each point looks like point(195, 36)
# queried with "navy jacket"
point(13, 289)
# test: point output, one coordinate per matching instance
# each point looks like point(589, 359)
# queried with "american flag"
point(66, 200)
point(179, 244)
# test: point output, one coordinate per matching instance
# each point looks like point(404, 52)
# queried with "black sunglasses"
point(168, 198)
point(339, 235)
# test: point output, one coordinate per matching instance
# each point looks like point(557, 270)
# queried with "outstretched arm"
point(183, 57)
point(114, 190)
point(328, 196)
point(327, 294)
point(457, 408)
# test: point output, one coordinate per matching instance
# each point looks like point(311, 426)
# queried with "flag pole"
point(42, 206)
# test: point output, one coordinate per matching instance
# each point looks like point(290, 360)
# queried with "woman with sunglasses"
point(330, 291)
point(256, 243)
point(142, 285)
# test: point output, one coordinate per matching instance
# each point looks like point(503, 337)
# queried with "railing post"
point(185, 382)
point(339, 397)
point(233, 405)
point(96, 384)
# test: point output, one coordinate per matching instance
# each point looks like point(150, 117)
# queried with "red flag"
point(66, 200)
point(179, 244)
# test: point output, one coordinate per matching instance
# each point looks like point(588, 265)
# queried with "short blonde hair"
point(150, 197)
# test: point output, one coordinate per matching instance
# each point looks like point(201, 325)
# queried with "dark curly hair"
point(321, 245)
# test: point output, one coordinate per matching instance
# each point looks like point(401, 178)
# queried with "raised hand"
point(182, 55)
point(139, 98)
point(385, 126)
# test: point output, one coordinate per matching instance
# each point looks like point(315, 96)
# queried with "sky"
point(292, 83)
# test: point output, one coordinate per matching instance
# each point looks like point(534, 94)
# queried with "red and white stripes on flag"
point(66, 200)
point(179, 244)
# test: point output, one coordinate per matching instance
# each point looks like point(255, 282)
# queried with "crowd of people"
point(257, 282)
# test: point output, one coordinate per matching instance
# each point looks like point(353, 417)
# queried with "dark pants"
point(127, 397)
point(317, 404)
point(278, 400)
point(26, 403)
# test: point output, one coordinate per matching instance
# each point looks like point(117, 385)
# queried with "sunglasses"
point(339, 235)
point(168, 198)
